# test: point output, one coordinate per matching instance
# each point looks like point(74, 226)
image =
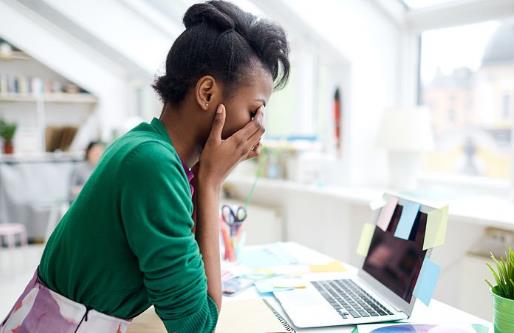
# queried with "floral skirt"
point(41, 310)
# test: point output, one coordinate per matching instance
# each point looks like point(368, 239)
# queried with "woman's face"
point(95, 153)
point(244, 103)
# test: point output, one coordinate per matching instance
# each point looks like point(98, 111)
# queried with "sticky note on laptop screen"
point(386, 213)
point(437, 223)
point(396, 262)
point(427, 281)
point(408, 217)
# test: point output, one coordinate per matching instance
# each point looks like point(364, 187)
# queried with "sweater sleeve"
point(156, 210)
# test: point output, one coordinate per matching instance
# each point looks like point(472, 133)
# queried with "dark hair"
point(91, 146)
point(222, 40)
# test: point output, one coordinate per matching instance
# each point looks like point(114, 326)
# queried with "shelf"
point(80, 98)
point(15, 55)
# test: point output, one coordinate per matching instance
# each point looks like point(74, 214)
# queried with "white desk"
point(437, 312)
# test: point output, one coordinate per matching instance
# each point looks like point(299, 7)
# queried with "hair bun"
point(208, 14)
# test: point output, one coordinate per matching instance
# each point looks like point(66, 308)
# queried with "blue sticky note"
point(260, 258)
point(404, 227)
point(427, 281)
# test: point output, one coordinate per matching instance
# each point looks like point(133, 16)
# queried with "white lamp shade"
point(406, 130)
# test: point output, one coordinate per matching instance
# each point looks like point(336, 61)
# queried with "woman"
point(81, 172)
point(127, 242)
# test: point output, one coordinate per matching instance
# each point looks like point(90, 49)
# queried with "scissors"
point(234, 219)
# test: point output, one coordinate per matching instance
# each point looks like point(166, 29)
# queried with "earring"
point(206, 105)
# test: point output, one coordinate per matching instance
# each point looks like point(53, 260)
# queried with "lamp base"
point(403, 169)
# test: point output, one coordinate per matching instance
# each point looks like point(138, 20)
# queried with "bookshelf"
point(49, 98)
point(41, 101)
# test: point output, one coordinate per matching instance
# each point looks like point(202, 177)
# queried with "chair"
point(9, 231)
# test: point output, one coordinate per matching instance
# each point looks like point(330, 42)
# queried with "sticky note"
point(480, 328)
point(427, 281)
point(260, 258)
point(365, 240)
point(264, 286)
point(404, 227)
point(437, 223)
point(334, 266)
point(294, 283)
point(386, 213)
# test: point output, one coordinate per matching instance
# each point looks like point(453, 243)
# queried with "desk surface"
point(437, 312)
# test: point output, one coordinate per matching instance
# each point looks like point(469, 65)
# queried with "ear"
point(207, 91)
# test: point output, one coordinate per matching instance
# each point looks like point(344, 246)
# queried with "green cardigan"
point(127, 242)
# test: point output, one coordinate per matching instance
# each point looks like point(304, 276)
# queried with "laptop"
point(381, 291)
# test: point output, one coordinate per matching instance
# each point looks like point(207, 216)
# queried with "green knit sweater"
point(127, 242)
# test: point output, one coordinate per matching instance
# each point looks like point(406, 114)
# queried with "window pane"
point(467, 80)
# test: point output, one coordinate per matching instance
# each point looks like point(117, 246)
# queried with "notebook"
point(251, 316)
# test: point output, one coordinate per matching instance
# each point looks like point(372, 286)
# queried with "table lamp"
point(405, 133)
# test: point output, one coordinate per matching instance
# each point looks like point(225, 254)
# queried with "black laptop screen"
point(396, 262)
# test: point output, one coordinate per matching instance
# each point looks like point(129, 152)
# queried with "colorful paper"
point(261, 258)
point(427, 280)
point(437, 223)
point(334, 266)
point(365, 240)
point(404, 227)
point(386, 213)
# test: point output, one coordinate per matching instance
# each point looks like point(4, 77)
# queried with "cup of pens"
point(232, 234)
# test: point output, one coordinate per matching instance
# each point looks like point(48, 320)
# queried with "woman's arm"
point(207, 236)
point(218, 158)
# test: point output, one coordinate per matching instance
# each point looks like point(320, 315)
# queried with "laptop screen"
point(396, 262)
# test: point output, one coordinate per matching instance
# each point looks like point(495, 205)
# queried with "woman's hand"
point(220, 156)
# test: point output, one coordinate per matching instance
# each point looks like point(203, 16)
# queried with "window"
point(467, 81)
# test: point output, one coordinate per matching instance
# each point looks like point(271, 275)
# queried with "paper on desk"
point(427, 281)
point(404, 227)
point(249, 316)
point(334, 266)
point(261, 258)
point(276, 284)
point(365, 240)
point(386, 213)
point(437, 223)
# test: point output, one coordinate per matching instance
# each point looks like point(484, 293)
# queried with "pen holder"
point(231, 244)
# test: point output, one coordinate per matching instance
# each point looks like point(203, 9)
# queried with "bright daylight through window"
point(467, 81)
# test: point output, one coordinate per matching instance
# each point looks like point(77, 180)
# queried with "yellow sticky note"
point(289, 283)
point(437, 223)
point(365, 240)
point(334, 266)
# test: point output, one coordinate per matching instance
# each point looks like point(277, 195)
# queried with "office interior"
point(407, 97)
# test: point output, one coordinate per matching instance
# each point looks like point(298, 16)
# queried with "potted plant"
point(7, 131)
point(503, 293)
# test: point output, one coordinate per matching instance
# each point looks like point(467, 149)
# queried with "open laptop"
point(381, 291)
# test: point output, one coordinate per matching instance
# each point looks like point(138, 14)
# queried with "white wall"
point(70, 58)
point(371, 43)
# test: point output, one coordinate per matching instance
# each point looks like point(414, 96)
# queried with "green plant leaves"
point(7, 130)
point(503, 275)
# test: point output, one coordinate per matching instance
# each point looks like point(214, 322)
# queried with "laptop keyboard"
point(348, 299)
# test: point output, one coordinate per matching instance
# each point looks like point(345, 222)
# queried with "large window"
point(467, 81)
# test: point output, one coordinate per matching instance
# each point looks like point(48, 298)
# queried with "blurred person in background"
point(82, 171)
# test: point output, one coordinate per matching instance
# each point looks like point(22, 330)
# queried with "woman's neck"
point(183, 134)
